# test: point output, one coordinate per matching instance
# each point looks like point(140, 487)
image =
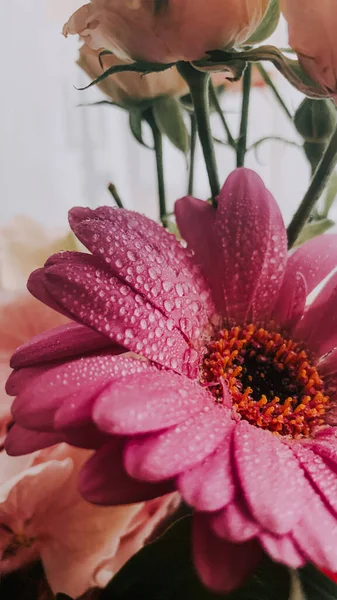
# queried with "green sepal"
point(136, 67)
point(136, 126)
point(312, 230)
point(169, 118)
point(267, 25)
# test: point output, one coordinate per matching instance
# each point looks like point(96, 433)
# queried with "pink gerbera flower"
point(231, 399)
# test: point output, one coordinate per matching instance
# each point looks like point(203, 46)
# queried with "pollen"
point(272, 380)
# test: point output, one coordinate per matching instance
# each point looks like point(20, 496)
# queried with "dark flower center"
point(271, 380)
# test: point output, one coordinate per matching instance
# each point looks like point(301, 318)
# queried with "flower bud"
point(169, 31)
point(312, 34)
point(315, 120)
point(123, 87)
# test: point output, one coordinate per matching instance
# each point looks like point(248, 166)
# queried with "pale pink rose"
point(134, 86)
point(312, 34)
point(21, 316)
point(42, 515)
point(25, 245)
point(183, 30)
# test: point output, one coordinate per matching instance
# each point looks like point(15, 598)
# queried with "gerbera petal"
point(165, 455)
point(314, 260)
point(210, 485)
point(36, 285)
point(64, 341)
point(316, 533)
point(77, 383)
point(291, 301)
point(262, 473)
point(283, 549)
point(318, 328)
point(222, 566)
point(328, 365)
point(234, 523)
point(147, 401)
point(20, 441)
point(252, 232)
point(99, 300)
point(103, 479)
point(196, 222)
point(149, 259)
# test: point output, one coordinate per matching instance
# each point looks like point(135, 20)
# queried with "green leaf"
point(316, 586)
point(313, 229)
point(168, 116)
point(330, 196)
point(268, 24)
point(136, 126)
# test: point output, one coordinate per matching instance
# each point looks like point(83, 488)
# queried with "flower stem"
point(268, 80)
point(114, 193)
point(198, 83)
point(316, 187)
point(214, 97)
point(158, 148)
point(192, 155)
point(242, 141)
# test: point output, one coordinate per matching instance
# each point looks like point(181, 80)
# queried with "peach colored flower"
point(42, 515)
point(183, 30)
point(24, 245)
point(134, 86)
point(312, 34)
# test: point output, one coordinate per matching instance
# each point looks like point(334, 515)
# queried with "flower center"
point(270, 378)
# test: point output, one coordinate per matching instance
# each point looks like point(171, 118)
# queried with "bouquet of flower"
point(173, 430)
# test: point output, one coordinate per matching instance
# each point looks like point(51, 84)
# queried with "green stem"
point(242, 142)
point(214, 97)
point(114, 193)
point(268, 80)
point(194, 132)
point(198, 83)
point(317, 185)
point(158, 148)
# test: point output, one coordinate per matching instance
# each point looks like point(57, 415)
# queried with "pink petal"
point(196, 222)
point(62, 342)
point(314, 260)
point(319, 473)
point(222, 566)
point(20, 441)
point(234, 523)
point(146, 402)
point(103, 479)
point(263, 464)
point(99, 300)
point(254, 247)
point(283, 549)
point(75, 383)
point(149, 260)
point(209, 485)
point(36, 285)
point(291, 301)
point(316, 533)
point(165, 455)
point(318, 328)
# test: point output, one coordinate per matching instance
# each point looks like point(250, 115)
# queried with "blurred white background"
point(56, 154)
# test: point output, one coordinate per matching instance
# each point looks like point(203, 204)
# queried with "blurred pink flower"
point(234, 400)
point(181, 31)
point(312, 34)
point(42, 515)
